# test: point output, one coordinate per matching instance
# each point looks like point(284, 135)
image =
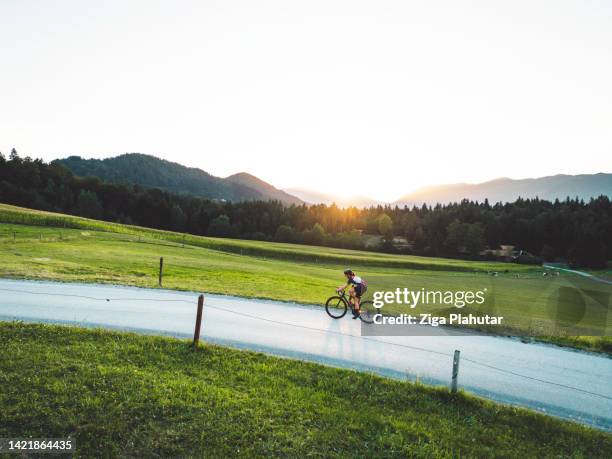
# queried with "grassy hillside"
point(127, 395)
point(36, 245)
point(292, 252)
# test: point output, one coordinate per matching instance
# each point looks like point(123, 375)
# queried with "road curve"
point(557, 381)
point(579, 273)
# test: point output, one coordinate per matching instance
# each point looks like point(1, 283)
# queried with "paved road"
point(534, 375)
point(580, 273)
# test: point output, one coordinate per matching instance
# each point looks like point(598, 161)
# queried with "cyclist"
point(357, 288)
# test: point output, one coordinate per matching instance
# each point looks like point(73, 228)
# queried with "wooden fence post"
point(198, 324)
point(455, 371)
point(161, 270)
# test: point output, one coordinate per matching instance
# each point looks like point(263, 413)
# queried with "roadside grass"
point(120, 394)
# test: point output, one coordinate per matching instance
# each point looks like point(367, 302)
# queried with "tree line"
point(571, 229)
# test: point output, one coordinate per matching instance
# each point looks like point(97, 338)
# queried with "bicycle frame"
point(348, 299)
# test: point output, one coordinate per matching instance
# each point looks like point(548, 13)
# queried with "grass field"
point(127, 395)
point(291, 252)
point(41, 245)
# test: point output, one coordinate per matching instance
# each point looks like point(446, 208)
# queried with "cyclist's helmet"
point(349, 271)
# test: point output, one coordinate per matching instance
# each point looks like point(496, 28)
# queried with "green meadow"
point(43, 245)
point(124, 395)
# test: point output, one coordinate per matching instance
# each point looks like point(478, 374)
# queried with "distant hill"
point(250, 181)
point(315, 197)
point(150, 171)
point(508, 190)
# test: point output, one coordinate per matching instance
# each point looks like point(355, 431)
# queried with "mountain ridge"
point(151, 171)
point(252, 181)
point(504, 189)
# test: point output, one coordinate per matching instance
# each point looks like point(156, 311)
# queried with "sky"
point(349, 97)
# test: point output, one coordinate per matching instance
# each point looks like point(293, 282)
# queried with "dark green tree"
point(88, 204)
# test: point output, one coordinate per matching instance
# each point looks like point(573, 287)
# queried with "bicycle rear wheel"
point(336, 307)
point(368, 311)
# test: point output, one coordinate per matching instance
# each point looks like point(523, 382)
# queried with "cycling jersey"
point(355, 280)
point(359, 284)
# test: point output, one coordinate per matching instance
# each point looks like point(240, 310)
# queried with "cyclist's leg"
point(357, 300)
point(353, 302)
point(352, 295)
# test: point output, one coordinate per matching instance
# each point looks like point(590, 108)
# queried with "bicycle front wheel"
point(368, 311)
point(336, 307)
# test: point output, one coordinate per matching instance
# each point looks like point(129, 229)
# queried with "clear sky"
point(301, 93)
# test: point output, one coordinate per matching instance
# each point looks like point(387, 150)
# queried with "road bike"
point(337, 306)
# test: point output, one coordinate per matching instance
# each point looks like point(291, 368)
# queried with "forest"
point(569, 230)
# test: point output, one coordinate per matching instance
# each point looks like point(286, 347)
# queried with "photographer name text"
point(430, 319)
